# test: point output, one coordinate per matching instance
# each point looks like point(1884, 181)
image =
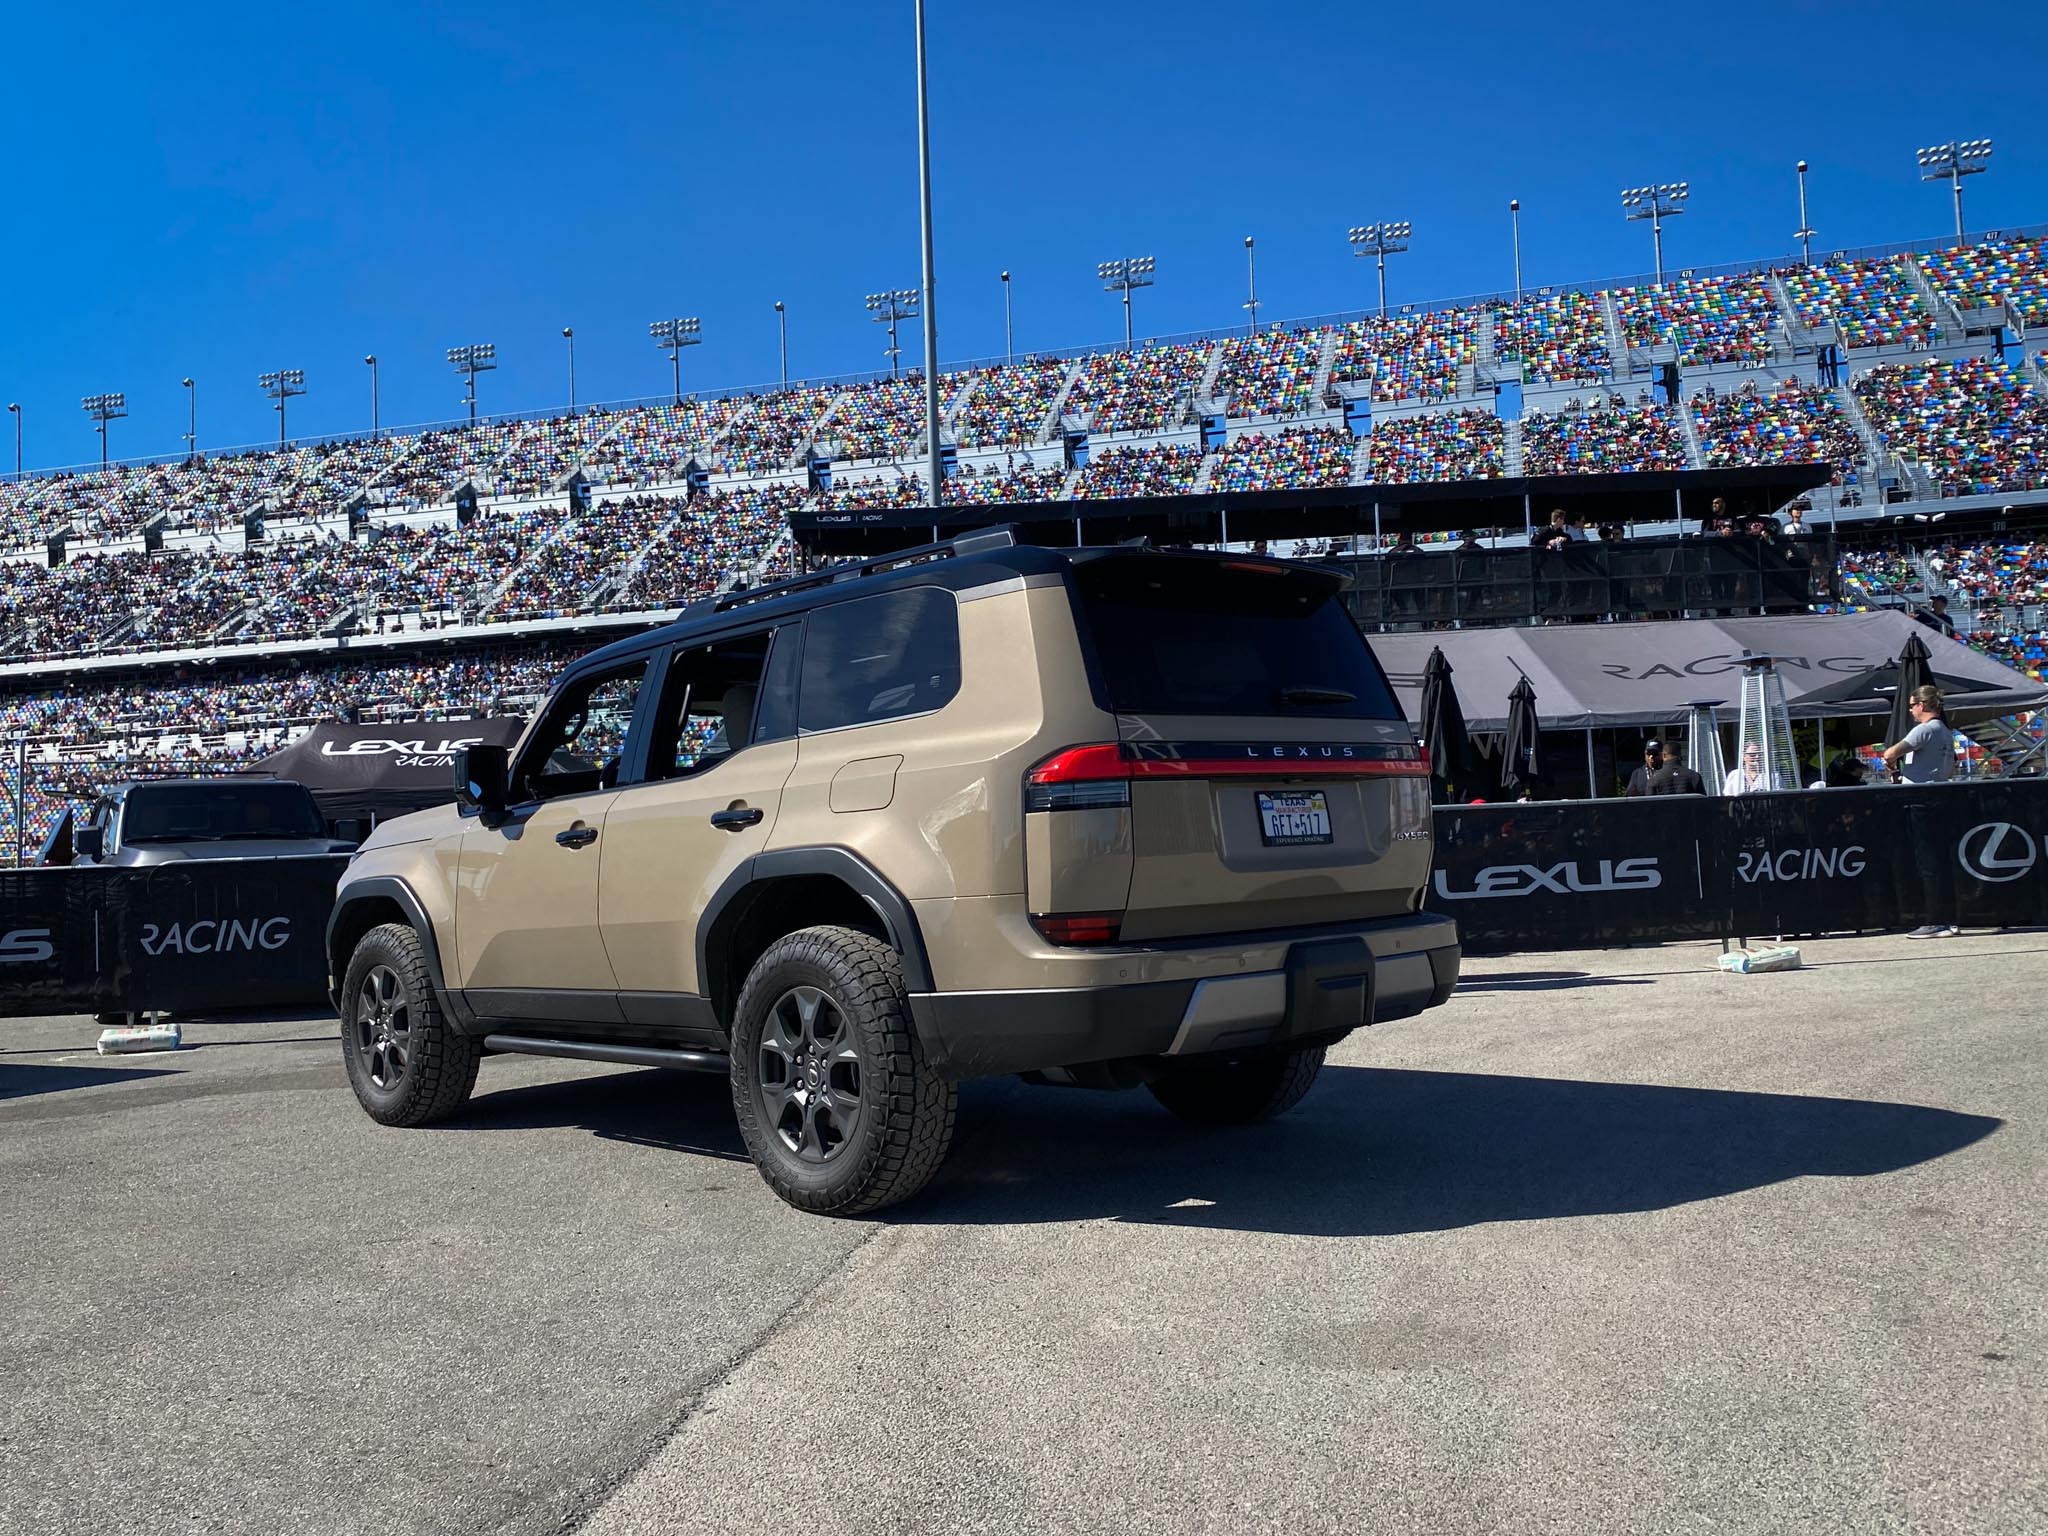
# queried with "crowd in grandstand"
point(1792, 423)
point(1442, 445)
point(1974, 423)
point(1166, 469)
point(1602, 436)
point(1257, 461)
point(1725, 319)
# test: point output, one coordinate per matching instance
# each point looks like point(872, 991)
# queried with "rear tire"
point(1238, 1090)
point(407, 1063)
point(838, 1107)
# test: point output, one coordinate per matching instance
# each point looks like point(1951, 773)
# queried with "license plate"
point(1299, 817)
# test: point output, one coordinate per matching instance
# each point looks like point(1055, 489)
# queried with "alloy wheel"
point(808, 1076)
point(383, 1030)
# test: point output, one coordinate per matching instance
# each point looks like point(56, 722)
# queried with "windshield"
point(1188, 637)
point(203, 813)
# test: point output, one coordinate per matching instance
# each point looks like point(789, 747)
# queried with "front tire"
point(838, 1107)
point(1238, 1090)
point(406, 1062)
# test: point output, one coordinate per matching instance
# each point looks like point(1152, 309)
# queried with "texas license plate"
point(1302, 816)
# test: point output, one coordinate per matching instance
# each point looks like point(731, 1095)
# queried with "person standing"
point(1653, 759)
point(1935, 616)
point(1927, 755)
point(1674, 778)
point(1748, 777)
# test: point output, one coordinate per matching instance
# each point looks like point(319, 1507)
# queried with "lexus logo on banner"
point(1997, 851)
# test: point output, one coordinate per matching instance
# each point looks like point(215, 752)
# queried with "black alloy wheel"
point(383, 1029)
point(807, 1081)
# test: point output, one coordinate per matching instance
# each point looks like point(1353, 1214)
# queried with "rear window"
point(878, 658)
point(202, 813)
point(1187, 637)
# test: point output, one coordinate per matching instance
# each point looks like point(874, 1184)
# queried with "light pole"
point(1251, 283)
point(1009, 336)
point(375, 430)
point(569, 335)
point(478, 357)
point(191, 421)
point(1515, 219)
point(1380, 241)
point(281, 386)
point(14, 410)
point(1665, 200)
point(1805, 232)
point(890, 306)
point(103, 409)
point(1124, 275)
point(935, 485)
point(1951, 162)
point(782, 339)
point(676, 335)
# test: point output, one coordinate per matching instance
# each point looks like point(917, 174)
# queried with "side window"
point(711, 704)
point(878, 658)
point(580, 740)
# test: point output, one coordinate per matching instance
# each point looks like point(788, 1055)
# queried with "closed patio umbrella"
point(1443, 730)
point(1522, 771)
point(1913, 673)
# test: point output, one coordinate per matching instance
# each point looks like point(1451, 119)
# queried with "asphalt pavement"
point(1610, 1243)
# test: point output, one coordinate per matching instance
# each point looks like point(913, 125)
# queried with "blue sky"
point(218, 190)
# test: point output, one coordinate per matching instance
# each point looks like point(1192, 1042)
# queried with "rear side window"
point(1188, 637)
point(879, 658)
point(219, 813)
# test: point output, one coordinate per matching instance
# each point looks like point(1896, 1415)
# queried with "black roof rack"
point(1003, 536)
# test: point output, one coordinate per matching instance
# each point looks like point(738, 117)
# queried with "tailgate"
point(1273, 780)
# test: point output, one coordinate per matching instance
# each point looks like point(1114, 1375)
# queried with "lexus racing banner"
point(1589, 874)
point(185, 937)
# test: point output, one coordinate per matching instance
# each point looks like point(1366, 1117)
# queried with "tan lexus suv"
point(1102, 817)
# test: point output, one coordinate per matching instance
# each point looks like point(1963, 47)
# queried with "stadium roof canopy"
point(1646, 496)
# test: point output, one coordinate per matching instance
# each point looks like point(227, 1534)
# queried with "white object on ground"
point(1742, 962)
point(154, 1035)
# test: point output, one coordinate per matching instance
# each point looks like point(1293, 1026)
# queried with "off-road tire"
point(904, 1121)
point(439, 1063)
point(1238, 1090)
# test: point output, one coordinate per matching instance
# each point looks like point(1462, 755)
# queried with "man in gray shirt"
point(1928, 756)
point(1929, 750)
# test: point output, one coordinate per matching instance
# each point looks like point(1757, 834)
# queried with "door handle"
point(734, 817)
point(577, 837)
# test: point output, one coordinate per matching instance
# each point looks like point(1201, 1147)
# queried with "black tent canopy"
point(380, 771)
point(1323, 511)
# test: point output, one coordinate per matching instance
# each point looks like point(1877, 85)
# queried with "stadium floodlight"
point(191, 421)
point(676, 335)
point(1251, 284)
point(935, 468)
point(371, 362)
point(1009, 336)
point(1122, 276)
point(1515, 219)
point(103, 409)
point(14, 410)
point(569, 335)
point(890, 306)
point(782, 339)
point(1951, 162)
point(1805, 232)
point(1665, 200)
point(469, 361)
point(281, 386)
point(1380, 241)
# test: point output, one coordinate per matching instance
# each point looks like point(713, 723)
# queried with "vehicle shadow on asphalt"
point(1546, 981)
point(1375, 1151)
point(666, 1110)
point(25, 1080)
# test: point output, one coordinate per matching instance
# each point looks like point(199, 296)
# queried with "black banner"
point(183, 938)
point(1607, 872)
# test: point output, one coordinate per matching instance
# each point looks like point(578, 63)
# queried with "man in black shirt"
point(1674, 778)
point(1639, 781)
point(1935, 616)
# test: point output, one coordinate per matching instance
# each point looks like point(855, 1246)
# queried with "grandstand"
point(1895, 368)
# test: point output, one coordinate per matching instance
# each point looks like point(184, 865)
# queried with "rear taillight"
point(1079, 927)
point(1080, 779)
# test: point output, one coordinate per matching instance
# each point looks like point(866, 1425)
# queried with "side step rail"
point(627, 1055)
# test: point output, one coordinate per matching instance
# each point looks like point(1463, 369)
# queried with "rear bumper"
point(1301, 986)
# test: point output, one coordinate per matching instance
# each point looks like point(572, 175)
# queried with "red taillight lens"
point(1080, 927)
point(1086, 778)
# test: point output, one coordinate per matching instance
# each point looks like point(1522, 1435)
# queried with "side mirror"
point(90, 842)
point(480, 773)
